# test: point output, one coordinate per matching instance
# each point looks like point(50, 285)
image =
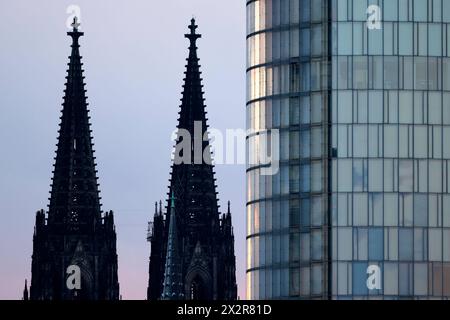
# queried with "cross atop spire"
point(192, 36)
point(75, 24)
point(75, 34)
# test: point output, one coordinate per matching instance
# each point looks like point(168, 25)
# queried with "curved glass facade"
point(288, 90)
point(364, 120)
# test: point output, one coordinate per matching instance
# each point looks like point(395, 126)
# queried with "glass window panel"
point(446, 242)
point(358, 38)
point(305, 246)
point(375, 106)
point(446, 11)
point(360, 106)
point(360, 217)
point(305, 213)
point(344, 209)
point(435, 39)
point(374, 145)
point(305, 178)
point(422, 39)
point(389, 36)
point(405, 279)
point(406, 40)
point(420, 142)
point(317, 211)
point(390, 278)
point(405, 175)
point(305, 143)
point(360, 71)
point(420, 279)
point(420, 10)
point(376, 175)
point(375, 244)
point(420, 210)
point(360, 173)
point(435, 244)
point(392, 244)
point(437, 6)
point(316, 108)
point(317, 281)
point(294, 247)
point(390, 10)
point(420, 247)
point(359, 10)
point(435, 176)
point(342, 9)
point(359, 281)
point(446, 71)
point(343, 80)
point(406, 106)
point(360, 141)
point(407, 69)
point(403, 9)
point(305, 42)
point(434, 107)
point(376, 42)
point(446, 210)
point(345, 38)
point(390, 141)
point(389, 177)
point(345, 175)
point(316, 40)
point(344, 243)
point(345, 106)
point(317, 244)
point(390, 72)
point(360, 245)
point(376, 209)
point(390, 209)
point(420, 73)
point(316, 142)
point(405, 244)
point(305, 281)
point(403, 141)
point(406, 209)
point(343, 278)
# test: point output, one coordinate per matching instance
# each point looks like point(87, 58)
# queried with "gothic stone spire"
point(207, 273)
point(74, 232)
point(74, 200)
point(173, 278)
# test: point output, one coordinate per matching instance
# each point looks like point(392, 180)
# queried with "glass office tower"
point(360, 208)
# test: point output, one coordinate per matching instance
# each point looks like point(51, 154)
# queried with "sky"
point(134, 55)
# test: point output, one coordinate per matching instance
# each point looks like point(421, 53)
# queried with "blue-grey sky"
point(134, 56)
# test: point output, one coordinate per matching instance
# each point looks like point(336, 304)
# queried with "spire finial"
point(75, 34)
point(75, 24)
point(25, 291)
point(156, 206)
point(193, 36)
point(228, 207)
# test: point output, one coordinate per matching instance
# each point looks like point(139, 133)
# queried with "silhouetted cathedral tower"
point(199, 247)
point(74, 237)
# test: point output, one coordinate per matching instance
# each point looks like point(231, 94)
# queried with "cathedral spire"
point(74, 200)
point(192, 102)
point(186, 177)
point(74, 233)
point(25, 291)
point(193, 36)
point(173, 283)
